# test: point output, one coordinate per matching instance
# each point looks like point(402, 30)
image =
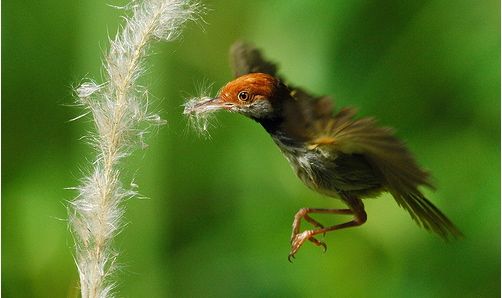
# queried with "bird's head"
point(255, 95)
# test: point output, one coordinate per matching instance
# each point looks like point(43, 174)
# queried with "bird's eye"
point(243, 96)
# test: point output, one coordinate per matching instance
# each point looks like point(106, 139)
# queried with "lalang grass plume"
point(121, 116)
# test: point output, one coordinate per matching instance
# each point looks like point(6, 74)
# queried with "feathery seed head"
point(121, 115)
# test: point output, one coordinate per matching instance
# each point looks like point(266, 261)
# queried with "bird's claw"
point(319, 243)
point(297, 241)
point(324, 247)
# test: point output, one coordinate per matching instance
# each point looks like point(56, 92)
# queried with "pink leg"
point(297, 238)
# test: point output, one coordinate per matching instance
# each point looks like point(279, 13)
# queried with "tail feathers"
point(427, 215)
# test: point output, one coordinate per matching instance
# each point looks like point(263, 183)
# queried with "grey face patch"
point(257, 109)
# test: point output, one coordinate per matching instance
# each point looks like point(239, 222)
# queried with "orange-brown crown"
point(249, 88)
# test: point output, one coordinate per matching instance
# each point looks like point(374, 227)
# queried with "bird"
point(333, 153)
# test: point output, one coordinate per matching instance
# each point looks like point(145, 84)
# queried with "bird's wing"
point(378, 144)
point(391, 160)
point(245, 58)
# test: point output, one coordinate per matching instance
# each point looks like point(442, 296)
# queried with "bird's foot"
point(303, 214)
point(300, 238)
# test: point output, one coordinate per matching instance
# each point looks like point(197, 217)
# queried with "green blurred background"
point(218, 218)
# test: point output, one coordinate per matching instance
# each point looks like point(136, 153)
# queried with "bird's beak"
point(205, 105)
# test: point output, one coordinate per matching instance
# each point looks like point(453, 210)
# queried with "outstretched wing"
point(362, 136)
point(391, 160)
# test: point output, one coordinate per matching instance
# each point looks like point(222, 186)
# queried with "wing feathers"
point(390, 157)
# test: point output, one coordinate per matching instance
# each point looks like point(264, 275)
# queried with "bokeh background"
point(217, 221)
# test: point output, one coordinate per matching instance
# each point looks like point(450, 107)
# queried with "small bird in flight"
point(333, 153)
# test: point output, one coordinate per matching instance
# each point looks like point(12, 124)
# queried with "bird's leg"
point(312, 221)
point(303, 213)
point(297, 238)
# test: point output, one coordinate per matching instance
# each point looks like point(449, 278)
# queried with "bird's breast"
point(308, 165)
point(328, 172)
